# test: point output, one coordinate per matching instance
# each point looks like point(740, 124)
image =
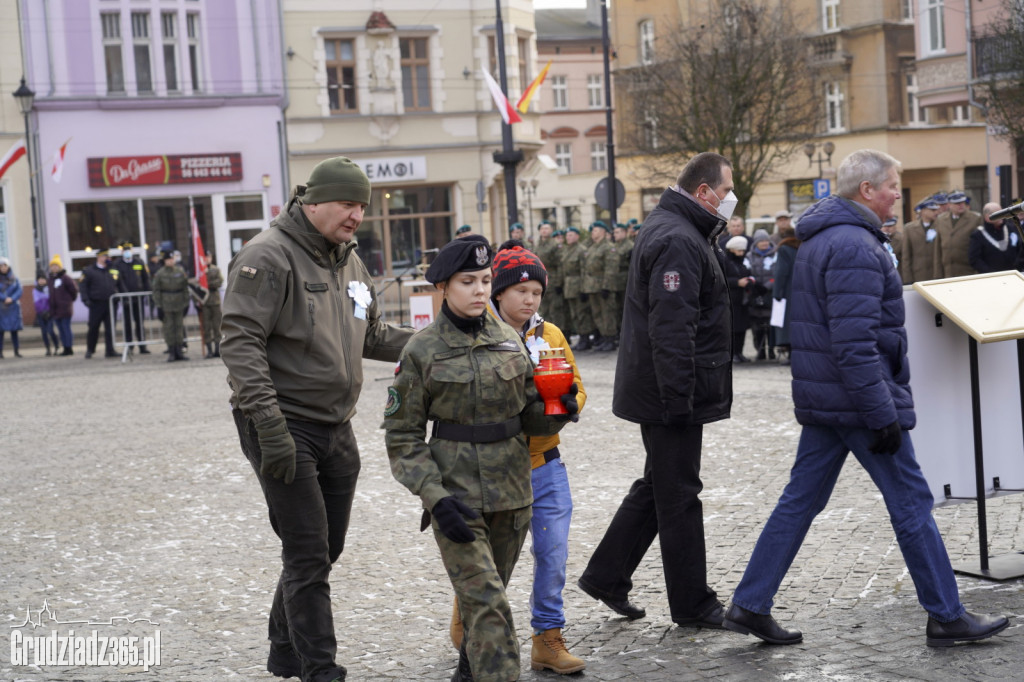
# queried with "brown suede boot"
point(455, 628)
point(549, 653)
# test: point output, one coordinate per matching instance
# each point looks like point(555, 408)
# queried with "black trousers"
point(99, 313)
point(664, 502)
point(133, 315)
point(311, 517)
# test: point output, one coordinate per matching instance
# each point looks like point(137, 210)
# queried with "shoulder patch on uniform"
point(394, 401)
point(670, 280)
point(247, 271)
point(398, 367)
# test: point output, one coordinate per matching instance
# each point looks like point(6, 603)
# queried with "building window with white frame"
point(834, 107)
point(563, 157)
point(595, 91)
point(598, 155)
point(169, 31)
point(340, 62)
point(933, 26)
point(112, 55)
point(415, 59)
point(647, 42)
point(560, 91)
point(829, 15)
point(916, 114)
point(906, 10)
point(141, 50)
point(961, 114)
point(194, 65)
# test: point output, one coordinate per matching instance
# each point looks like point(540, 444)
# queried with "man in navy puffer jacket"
point(851, 390)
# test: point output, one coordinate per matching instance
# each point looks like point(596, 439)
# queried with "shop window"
point(243, 208)
point(95, 225)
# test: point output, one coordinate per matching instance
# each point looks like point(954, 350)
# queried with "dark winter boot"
point(172, 354)
point(216, 349)
point(68, 351)
point(209, 350)
point(463, 673)
point(582, 344)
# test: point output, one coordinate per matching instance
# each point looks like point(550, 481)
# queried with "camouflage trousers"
point(603, 311)
point(553, 308)
point(211, 318)
point(479, 572)
point(174, 328)
point(579, 312)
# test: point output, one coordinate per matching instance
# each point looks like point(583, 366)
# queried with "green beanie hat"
point(337, 179)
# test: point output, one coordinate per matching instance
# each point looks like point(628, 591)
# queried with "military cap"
point(940, 198)
point(463, 228)
point(890, 222)
point(783, 214)
point(515, 226)
point(573, 228)
point(957, 197)
point(598, 223)
point(632, 221)
point(558, 233)
point(930, 202)
point(164, 255)
point(103, 252)
point(459, 255)
point(337, 179)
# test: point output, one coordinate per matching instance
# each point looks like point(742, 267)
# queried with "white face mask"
point(727, 205)
point(127, 256)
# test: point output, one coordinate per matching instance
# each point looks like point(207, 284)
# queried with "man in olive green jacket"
point(600, 267)
point(170, 294)
point(571, 261)
point(300, 312)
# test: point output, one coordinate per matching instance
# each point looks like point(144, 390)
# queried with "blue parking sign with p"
point(822, 188)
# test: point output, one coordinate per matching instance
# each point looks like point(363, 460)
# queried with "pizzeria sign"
point(128, 171)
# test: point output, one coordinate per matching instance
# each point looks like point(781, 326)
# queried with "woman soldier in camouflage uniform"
point(470, 375)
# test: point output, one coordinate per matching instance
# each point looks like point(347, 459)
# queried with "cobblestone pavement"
point(124, 494)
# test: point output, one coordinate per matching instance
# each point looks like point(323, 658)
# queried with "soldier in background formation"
point(955, 229)
point(552, 307)
point(99, 282)
point(623, 252)
point(463, 231)
point(600, 266)
point(210, 311)
point(170, 293)
point(920, 244)
point(133, 277)
point(572, 277)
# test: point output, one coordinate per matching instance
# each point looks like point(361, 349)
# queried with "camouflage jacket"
point(214, 281)
point(547, 250)
point(623, 252)
point(571, 262)
point(447, 375)
point(170, 288)
point(600, 267)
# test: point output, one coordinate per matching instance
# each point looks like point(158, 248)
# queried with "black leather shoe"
point(712, 619)
point(967, 628)
point(738, 619)
point(622, 607)
point(284, 664)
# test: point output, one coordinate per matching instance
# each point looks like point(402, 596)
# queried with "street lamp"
point(529, 189)
point(26, 99)
point(827, 147)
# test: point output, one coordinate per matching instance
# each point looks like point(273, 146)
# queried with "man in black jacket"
point(134, 277)
point(99, 282)
point(674, 374)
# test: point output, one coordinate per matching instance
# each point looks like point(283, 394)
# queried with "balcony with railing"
point(996, 55)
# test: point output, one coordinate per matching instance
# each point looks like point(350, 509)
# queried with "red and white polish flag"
point(57, 165)
point(12, 155)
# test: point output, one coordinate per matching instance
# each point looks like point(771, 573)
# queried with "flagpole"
point(508, 157)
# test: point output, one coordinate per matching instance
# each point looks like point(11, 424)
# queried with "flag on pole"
point(12, 155)
point(57, 165)
point(508, 114)
point(197, 247)
point(524, 102)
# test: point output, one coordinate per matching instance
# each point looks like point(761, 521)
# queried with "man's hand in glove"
point(449, 512)
point(570, 404)
point(887, 440)
point(277, 448)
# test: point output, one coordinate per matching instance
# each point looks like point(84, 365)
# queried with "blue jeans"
point(552, 511)
point(819, 459)
point(64, 329)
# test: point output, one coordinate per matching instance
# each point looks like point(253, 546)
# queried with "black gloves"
point(449, 512)
point(277, 448)
point(570, 404)
point(605, 293)
point(583, 297)
point(888, 439)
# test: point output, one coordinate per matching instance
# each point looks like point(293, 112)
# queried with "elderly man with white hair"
point(851, 391)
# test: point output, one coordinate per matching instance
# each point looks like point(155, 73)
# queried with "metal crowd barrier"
point(149, 331)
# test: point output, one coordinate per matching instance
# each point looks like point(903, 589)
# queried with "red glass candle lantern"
point(553, 377)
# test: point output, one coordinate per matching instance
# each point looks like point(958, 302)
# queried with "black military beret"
point(460, 255)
